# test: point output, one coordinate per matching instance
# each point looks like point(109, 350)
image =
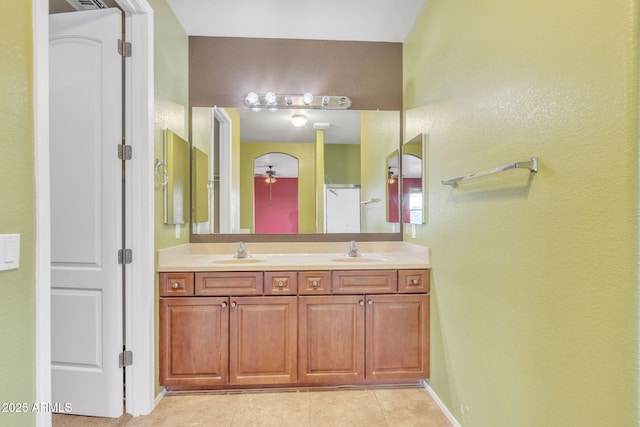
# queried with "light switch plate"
point(9, 251)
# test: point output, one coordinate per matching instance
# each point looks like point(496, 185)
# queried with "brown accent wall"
point(222, 70)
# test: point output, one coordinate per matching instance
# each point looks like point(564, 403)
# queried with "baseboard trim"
point(442, 406)
point(159, 397)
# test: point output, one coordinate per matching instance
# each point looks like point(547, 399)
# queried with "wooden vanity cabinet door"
point(263, 343)
point(364, 281)
point(176, 284)
point(397, 337)
point(331, 339)
point(194, 342)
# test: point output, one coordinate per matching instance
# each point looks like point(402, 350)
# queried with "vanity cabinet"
point(397, 337)
point(216, 341)
point(331, 339)
point(348, 339)
point(194, 342)
point(263, 343)
point(242, 329)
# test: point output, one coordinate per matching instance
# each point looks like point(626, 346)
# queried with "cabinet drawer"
point(280, 283)
point(413, 281)
point(365, 281)
point(236, 283)
point(176, 284)
point(314, 282)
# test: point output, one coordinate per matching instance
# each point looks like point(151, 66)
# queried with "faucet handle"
point(241, 253)
point(353, 249)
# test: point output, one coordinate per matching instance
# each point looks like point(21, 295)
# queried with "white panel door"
point(86, 211)
point(342, 209)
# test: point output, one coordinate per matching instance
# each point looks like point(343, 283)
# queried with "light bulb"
point(270, 97)
point(298, 120)
point(251, 99)
point(307, 98)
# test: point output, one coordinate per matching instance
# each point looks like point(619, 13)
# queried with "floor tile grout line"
point(308, 408)
point(384, 414)
point(235, 411)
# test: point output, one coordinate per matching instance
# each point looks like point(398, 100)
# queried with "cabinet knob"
point(224, 304)
point(370, 302)
point(361, 302)
point(280, 284)
point(314, 283)
point(415, 282)
point(233, 304)
point(175, 285)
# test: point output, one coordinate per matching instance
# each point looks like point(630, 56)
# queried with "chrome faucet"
point(241, 253)
point(353, 250)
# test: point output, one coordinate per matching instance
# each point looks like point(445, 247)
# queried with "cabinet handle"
point(370, 302)
point(314, 283)
point(176, 285)
point(415, 282)
point(233, 304)
point(280, 284)
point(224, 304)
point(361, 302)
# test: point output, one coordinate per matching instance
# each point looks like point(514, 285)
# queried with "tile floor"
point(334, 408)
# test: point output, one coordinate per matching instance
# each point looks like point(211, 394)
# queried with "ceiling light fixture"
point(273, 101)
point(391, 176)
point(298, 120)
point(271, 176)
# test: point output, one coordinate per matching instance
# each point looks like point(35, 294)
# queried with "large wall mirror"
point(252, 169)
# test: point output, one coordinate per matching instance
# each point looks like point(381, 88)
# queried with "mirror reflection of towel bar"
point(366, 202)
point(532, 165)
point(161, 172)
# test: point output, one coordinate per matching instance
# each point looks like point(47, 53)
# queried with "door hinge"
point(124, 49)
point(126, 358)
point(125, 256)
point(125, 152)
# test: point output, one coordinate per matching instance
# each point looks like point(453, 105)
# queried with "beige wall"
point(17, 210)
point(535, 301)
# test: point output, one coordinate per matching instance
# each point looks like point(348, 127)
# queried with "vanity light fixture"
point(273, 101)
point(298, 120)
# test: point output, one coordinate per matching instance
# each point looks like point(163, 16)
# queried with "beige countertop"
point(293, 256)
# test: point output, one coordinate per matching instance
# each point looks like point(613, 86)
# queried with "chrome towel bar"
point(532, 165)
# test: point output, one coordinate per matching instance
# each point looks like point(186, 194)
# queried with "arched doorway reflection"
point(275, 192)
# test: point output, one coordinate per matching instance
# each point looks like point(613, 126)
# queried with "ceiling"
point(357, 20)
